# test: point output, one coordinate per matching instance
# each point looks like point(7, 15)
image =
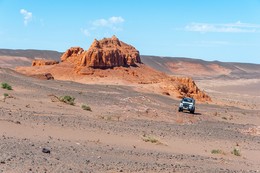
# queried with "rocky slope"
point(111, 61)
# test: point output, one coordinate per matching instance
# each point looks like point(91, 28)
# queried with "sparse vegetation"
point(67, 99)
point(217, 151)
point(150, 139)
point(5, 85)
point(224, 118)
point(110, 117)
point(5, 96)
point(86, 107)
point(236, 152)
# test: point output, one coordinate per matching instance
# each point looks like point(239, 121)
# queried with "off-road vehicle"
point(187, 104)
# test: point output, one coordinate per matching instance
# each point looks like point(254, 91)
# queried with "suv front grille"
point(185, 105)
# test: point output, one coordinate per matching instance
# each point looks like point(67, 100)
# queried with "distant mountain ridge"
point(200, 68)
point(12, 58)
point(195, 68)
point(31, 53)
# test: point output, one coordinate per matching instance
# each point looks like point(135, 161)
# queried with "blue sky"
point(224, 30)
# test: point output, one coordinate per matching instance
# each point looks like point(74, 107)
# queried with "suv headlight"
point(181, 104)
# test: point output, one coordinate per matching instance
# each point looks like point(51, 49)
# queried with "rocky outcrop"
point(42, 62)
point(182, 87)
point(105, 60)
point(105, 53)
point(188, 88)
point(72, 54)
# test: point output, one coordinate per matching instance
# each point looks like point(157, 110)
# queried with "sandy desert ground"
point(127, 130)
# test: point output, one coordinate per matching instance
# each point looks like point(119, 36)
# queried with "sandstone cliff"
point(105, 53)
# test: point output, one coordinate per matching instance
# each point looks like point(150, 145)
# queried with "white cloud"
point(115, 20)
point(99, 26)
point(237, 27)
point(85, 32)
point(112, 22)
point(100, 22)
point(27, 16)
point(204, 44)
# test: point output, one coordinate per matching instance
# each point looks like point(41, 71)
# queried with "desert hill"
point(31, 53)
point(198, 68)
point(18, 57)
point(169, 65)
point(111, 61)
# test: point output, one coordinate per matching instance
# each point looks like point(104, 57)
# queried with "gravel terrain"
point(113, 136)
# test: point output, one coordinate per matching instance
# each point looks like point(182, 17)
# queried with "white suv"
point(187, 104)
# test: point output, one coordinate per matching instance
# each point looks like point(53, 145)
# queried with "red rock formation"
point(42, 62)
point(187, 87)
point(107, 58)
point(72, 54)
point(105, 53)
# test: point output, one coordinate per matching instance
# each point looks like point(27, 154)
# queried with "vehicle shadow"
point(196, 113)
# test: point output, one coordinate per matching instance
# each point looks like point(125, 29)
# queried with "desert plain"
point(129, 127)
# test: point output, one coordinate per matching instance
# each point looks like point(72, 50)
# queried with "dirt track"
point(111, 137)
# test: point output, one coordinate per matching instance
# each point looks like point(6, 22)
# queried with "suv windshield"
point(187, 100)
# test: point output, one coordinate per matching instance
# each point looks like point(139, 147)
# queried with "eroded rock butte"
point(105, 53)
point(111, 60)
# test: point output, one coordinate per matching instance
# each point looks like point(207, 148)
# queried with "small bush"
point(150, 139)
point(67, 99)
point(5, 96)
point(86, 108)
point(216, 151)
point(236, 152)
point(5, 85)
point(109, 118)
